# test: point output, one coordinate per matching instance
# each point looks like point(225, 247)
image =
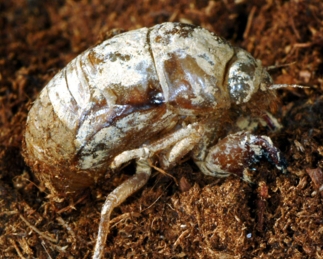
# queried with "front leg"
point(237, 152)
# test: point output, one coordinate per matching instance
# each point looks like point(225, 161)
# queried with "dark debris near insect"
point(280, 216)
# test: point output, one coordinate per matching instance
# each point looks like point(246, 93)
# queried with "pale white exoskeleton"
point(153, 95)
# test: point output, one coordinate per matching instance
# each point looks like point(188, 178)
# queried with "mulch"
point(278, 216)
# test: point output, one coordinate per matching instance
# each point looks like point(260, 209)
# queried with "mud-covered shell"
point(125, 92)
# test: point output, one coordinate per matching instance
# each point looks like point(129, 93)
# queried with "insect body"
point(157, 93)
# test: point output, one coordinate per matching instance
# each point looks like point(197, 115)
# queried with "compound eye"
point(239, 89)
point(241, 80)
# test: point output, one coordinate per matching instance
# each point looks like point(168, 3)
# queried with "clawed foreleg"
point(237, 152)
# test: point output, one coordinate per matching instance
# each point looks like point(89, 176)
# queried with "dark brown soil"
point(280, 216)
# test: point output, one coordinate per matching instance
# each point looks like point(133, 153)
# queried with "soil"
point(193, 216)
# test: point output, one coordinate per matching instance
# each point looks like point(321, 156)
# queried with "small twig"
point(86, 254)
point(37, 231)
point(152, 203)
point(302, 45)
point(8, 212)
point(119, 219)
point(58, 248)
point(162, 171)
point(294, 29)
point(16, 248)
point(180, 237)
point(249, 22)
point(69, 229)
point(43, 245)
point(72, 206)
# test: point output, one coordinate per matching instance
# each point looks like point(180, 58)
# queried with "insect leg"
point(190, 132)
point(115, 198)
point(178, 151)
point(237, 152)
